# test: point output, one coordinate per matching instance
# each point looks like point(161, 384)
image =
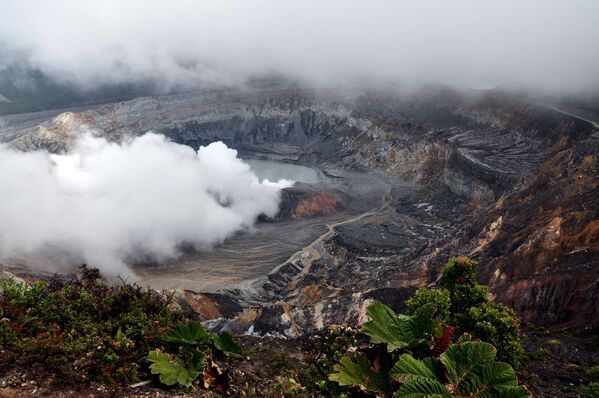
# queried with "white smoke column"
point(109, 202)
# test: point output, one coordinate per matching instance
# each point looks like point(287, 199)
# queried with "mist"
point(111, 204)
point(540, 45)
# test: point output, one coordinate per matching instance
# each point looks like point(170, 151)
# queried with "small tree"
point(440, 299)
point(470, 311)
point(415, 355)
point(417, 359)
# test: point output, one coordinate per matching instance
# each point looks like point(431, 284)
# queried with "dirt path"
point(312, 252)
point(594, 123)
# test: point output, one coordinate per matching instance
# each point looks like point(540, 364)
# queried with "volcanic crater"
point(389, 186)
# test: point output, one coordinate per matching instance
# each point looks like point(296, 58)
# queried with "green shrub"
point(471, 312)
point(591, 390)
point(459, 271)
point(408, 366)
point(438, 298)
point(84, 330)
point(324, 351)
point(467, 369)
point(458, 277)
point(193, 346)
point(413, 355)
point(463, 303)
point(498, 325)
point(369, 368)
point(81, 331)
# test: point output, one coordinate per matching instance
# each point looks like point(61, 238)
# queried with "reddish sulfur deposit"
point(319, 204)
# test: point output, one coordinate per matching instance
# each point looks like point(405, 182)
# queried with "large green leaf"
point(225, 343)
point(421, 378)
point(472, 372)
point(172, 369)
point(190, 333)
point(422, 388)
point(357, 372)
point(498, 373)
point(384, 326)
point(464, 362)
point(508, 392)
point(422, 323)
point(470, 368)
point(407, 367)
point(398, 331)
point(496, 379)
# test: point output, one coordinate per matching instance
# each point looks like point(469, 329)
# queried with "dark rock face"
point(514, 184)
point(544, 256)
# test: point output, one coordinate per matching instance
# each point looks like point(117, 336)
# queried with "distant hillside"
point(23, 89)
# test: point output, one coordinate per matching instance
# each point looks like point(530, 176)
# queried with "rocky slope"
point(512, 183)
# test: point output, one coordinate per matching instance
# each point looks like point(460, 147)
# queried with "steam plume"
point(108, 203)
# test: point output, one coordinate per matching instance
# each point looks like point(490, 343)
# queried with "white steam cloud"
point(546, 44)
point(107, 203)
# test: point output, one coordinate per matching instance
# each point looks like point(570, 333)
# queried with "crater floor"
point(252, 254)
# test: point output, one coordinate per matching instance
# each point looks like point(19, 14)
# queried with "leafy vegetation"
point(401, 331)
point(357, 371)
point(194, 346)
point(591, 390)
point(173, 369)
point(82, 331)
point(463, 303)
point(467, 369)
point(440, 299)
point(413, 355)
point(321, 353)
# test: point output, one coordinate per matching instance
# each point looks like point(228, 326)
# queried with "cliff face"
point(511, 183)
point(540, 245)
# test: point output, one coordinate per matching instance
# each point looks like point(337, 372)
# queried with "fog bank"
point(537, 44)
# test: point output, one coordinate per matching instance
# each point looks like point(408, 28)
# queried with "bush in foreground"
point(81, 331)
point(463, 303)
point(416, 355)
point(77, 332)
point(591, 390)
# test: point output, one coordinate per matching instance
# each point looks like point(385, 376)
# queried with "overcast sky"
point(542, 44)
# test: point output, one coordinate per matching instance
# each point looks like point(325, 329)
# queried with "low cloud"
point(110, 204)
point(536, 44)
